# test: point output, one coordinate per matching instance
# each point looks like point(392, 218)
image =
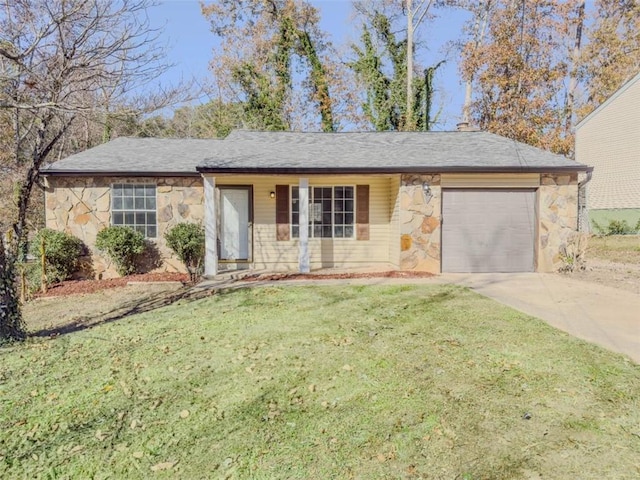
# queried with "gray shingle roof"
point(379, 151)
point(139, 155)
point(293, 152)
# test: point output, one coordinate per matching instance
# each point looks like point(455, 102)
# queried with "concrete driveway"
point(603, 315)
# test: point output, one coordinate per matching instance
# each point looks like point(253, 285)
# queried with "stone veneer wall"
point(420, 223)
point(558, 218)
point(81, 206)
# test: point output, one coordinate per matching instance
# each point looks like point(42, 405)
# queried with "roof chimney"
point(464, 127)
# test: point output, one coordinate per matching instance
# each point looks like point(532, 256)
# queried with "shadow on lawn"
point(159, 300)
point(164, 299)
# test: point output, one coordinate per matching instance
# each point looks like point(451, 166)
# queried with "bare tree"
point(63, 62)
point(415, 15)
point(480, 10)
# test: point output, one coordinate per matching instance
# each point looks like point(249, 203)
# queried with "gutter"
point(319, 171)
point(589, 172)
point(102, 173)
point(388, 170)
point(581, 224)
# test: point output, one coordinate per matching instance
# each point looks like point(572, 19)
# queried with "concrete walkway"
point(603, 315)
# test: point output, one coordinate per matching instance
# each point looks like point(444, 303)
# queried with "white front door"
point(235, 225)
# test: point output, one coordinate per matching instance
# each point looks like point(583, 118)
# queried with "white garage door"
point(488, 230)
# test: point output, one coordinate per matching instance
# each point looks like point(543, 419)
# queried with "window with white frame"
point(134, 205)
point(331, 212)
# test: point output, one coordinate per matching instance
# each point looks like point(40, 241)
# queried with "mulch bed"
point(72, 287)
point(272, 277)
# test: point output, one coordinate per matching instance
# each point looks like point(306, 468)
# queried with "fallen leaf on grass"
point(347, 368)
point(125, 389)
point(100, 435)
point(158, 467)
point(184, 413)
point(137, 455)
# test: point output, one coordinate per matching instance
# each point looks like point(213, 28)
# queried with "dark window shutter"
point(282, 213)
point(362, 212)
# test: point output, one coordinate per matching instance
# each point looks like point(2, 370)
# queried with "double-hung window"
point(331, 212)
point(134, 205)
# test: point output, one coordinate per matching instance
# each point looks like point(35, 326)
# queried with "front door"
point(235, 224)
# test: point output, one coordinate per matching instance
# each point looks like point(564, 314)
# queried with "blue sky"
point(190, 43)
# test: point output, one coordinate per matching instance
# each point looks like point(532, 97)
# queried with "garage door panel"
point(488, 230)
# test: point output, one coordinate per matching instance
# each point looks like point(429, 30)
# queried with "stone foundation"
point(558, 218)
point(420, 215)
point(81, 206)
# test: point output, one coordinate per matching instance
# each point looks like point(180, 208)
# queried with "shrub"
point(31, 274)
point(616, 227)
point(62, 253)
point(573, 253)
point(122, 245)
point(187, 242)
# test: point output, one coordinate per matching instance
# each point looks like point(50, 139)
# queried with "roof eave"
point(391, 170)
point(102, 173)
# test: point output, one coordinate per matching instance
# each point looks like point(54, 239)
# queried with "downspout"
point(582, 185)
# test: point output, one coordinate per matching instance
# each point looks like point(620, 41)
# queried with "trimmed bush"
point(187, 242)
point(122, 245)
point(62, 253)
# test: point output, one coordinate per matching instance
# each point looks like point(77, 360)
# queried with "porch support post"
point(303, 262)
point(210, 225)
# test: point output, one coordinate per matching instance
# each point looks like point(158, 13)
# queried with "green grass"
point(603, 217)
point(316, 383)
point(616, 248)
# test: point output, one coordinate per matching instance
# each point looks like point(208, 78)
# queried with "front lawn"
point(316, 383)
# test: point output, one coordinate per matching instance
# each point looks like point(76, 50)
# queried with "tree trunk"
point(11, 324)
point(409, 115)
point(479, 27)
point(570, 106)
point(319, 80)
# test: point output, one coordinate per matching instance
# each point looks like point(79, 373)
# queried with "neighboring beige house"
point(433, 201)
point(608, 139)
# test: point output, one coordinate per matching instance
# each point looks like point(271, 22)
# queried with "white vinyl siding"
point(325, 252)
point(609, 141)
point(394, 228)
